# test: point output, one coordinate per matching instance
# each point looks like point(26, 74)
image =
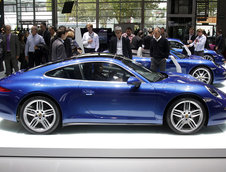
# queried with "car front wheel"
point(39, 115)
point(186, 116)
point(203, 74)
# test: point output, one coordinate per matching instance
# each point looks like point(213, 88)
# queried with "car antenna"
point(114, 56)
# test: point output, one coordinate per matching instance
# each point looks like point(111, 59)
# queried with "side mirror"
point(134, 81)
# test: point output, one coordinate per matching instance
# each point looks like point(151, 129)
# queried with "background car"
point(107, 89)
point(211, 55)
point(204, 70)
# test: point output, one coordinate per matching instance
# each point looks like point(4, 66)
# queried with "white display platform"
point(113, 141)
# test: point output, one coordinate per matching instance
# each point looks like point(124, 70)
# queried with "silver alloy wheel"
point(186, 116)
point(208, 57)
point(203, 75)
point(39, 115)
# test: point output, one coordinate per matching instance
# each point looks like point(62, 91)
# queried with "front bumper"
point(219, 74)
point(217, 110)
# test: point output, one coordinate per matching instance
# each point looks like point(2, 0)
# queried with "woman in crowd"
point(74, 45)
point(22, 60)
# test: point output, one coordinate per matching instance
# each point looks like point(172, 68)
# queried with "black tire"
point(41, 113)
point(207, 71)
point(174, 121)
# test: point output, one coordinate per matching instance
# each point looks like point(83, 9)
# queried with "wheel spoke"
point(39, 105)
point(31, 114)
point(180, 123)
point(187, 106)
point(31, 110)
point(205, 75)
point(192, 123)
point(34, 122)
point(45, 123)
point(195, 113)
point(48, 112)
point(178, 113)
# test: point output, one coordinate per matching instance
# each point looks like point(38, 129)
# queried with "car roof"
point(94, 55)
point(87, 55)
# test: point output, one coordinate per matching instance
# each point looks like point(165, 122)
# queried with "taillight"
point(4, 90)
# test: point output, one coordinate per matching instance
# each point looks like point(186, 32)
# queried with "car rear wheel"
point(208, 57)
point(203, 74)
point(186, 116)
point(39, 115)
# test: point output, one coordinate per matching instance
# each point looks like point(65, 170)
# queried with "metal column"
point(54, 13)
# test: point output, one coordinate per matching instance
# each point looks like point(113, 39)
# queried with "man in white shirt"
point(90, 40)
point(32, 47)
point(199, 43)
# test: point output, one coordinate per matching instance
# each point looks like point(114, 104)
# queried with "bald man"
point(11, 50)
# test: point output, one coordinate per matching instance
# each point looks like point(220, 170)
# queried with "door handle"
point(88, 92)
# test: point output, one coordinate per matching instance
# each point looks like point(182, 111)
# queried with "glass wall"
point(10, 16)
point(23, 13)
point(107, 13)
point(155, 14)
point(207, 17)
point(101, 13)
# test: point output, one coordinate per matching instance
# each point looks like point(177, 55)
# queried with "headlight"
point(213, 92)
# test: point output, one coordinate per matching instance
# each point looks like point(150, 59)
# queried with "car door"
point(110, 99)
point(66, 81)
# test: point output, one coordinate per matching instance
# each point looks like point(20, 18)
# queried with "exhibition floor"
point(112, 141)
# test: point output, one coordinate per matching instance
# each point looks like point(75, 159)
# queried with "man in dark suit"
point(188, 39)
point(120, 45)
point(46, 36)
point(11, 50)
point(67, 42)
point(220, 43)
point(58, 48)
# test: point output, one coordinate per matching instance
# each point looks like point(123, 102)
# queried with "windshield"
point(180, 55)
point(149, 75)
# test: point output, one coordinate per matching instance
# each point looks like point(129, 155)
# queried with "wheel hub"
point(39, 115)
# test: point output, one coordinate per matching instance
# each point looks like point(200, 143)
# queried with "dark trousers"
point(34, 59)
point(199, 53)
point(89, 50)
point(157, 65)
point(10, 62)
point(23, 61)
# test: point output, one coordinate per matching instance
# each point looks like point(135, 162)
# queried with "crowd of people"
point(45, 44)
point(39, 46)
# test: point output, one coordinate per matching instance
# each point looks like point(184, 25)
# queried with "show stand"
point(112, 148)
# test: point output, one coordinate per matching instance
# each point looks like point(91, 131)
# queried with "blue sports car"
point(108, 89)
point(200, 68)
point(211, 55)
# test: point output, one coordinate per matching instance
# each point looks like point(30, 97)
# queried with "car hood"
point(195, 57)
point(181, 79)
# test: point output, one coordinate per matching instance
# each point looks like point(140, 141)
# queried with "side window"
point(68, 72)
point(100, 71)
